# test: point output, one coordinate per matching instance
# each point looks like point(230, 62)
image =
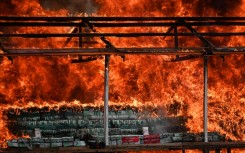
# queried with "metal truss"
point(173, 24)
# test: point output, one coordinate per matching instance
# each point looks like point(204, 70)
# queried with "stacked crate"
point(67, 127)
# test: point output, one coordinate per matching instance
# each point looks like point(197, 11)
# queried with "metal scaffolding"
point(173, 24)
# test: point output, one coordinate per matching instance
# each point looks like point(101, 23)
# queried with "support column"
point(228, 150)
point(205, 101)
point(106, 98)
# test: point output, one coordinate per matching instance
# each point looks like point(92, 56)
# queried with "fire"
point(53, 81)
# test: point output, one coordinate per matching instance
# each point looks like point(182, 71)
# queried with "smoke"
point(220, 8)
point(73, 6)
point(170, 7)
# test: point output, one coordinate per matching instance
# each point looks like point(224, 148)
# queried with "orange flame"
point(53, 81)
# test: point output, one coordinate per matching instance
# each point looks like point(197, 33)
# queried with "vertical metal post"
point(106, 98)
point(228, 150)
point(205, 99)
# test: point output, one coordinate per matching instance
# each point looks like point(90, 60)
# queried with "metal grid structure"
point(173, 24)
point(92, 23)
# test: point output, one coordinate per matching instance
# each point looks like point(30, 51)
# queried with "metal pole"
point(228, 150)
point(205, 104)
point(106, 98)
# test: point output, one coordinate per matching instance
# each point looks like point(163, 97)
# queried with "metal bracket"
point(6, 51)
point(107, 43)
point(3, 48)
point(81, 59)
point(169, 31)
point(204, 40)
point(184, 58)
point(74, 30)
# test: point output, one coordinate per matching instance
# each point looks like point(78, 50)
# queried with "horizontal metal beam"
point(75, 18)
point(121, 51)
point(135, 147)
point(117, 24)
point(45, 35)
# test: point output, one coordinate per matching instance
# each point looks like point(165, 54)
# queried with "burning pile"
point(127, 125)
point(177, 88)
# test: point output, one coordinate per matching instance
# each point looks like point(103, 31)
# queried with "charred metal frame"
point(172, 23)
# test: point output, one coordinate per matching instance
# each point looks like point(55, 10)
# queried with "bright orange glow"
point(177, 88)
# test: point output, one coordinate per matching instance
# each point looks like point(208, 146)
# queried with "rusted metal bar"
point(45, 35)
point(108, 44)
point(83, 59)
point(204, 40)
point(134, 148)
point(75, 18)
point(108, 51)
point(184, 58)
point(169, 31)
point(213, 145)
point(122, 24)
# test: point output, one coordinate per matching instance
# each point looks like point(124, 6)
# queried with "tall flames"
point(176, 87)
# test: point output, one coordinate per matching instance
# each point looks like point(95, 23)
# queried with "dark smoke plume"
point(73, 6)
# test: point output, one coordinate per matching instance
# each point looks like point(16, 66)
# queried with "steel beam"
point(169, 31)
point(117, 24)
point(77, 18)
point(134, 148)
point(131, 34)
point(204, 40)
point(108, 51)
point(106, 99)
